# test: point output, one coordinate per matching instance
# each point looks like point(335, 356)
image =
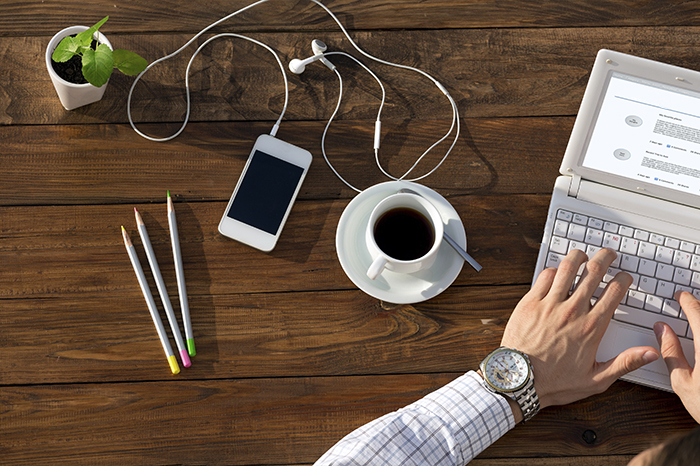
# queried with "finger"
point(566, 273)
point(612, 295)
point(670, 347)
point(628, 361)
point(543, 283)
point(691, 309)
point(593, 273)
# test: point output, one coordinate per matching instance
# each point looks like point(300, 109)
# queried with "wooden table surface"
point(291, 355)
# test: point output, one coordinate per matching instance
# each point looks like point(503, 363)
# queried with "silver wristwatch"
point(508, 372)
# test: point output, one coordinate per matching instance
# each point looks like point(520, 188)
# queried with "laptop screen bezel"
point(609, 62)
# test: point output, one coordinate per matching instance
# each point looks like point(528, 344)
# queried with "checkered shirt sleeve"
point(447, 427)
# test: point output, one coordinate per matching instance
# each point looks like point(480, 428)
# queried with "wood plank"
point(491, 73)
point(291, 420)
point(106, 164)
point(89, 338)
point(80, 249)
point(132, 16)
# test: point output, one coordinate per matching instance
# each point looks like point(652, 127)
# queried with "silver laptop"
point(631, 182)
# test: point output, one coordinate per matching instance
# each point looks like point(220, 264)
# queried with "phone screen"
point(264, 194)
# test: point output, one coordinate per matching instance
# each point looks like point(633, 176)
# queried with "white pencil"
point(172, 360)
point(180, 275)
point(160, 284)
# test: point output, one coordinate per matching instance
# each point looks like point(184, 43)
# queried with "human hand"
point(684, 379)
point(561, 333)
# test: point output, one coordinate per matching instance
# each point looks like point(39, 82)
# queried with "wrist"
point(514, 406)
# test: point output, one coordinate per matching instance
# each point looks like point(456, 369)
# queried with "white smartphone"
point(265, 193)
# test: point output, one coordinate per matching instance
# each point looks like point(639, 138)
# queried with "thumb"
point(628, 361)
point(670, 347)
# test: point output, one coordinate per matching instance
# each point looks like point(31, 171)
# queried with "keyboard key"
point(665, 289)
point(695, 280)
point(687, 247)
point(564, 215)
point(577, 232)
point(641, 235)
point(559, 245)
point(595, 223)
point(647, 285)
point(671, 308)
point(594, 237)
point(610, 274)
point(626, 231)
point(612, 241)
point(681, 259)
point(553, 260)
point(695, 263)
point(592, 250)
point(657, 239)
point(580, 219)
point(664, 271)
point(682, 276)
point(672, 243)
point(629, 246)
point(653, 304)
point(664, 254)
point(696, 293)
point(610, 227)
point(646, 250)
point(629, 263)
point(647, 267)
point(682, 288)
point(577, 245)
point(648, 319)
point(560, 228)
point(636, 298)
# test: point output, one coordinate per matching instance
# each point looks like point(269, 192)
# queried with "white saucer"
point(390, 286)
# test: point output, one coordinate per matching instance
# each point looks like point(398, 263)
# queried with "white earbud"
point(297, 66)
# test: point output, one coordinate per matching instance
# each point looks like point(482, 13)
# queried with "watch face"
point(506, 370)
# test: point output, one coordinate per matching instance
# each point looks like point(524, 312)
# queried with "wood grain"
point(110, 164)
point(290, 15)
point(289, 419)
point(490, 73)
point(291, 356)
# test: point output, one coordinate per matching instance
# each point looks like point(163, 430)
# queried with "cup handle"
point(376, 268)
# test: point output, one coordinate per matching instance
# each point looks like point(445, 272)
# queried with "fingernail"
point(649, 356)
point(658, 329)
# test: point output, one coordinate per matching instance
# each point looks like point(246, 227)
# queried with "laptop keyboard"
point(659, 266)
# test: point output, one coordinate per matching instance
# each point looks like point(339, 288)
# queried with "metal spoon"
point(465, 255)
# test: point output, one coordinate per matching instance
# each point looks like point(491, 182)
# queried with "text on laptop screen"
point(648, 132)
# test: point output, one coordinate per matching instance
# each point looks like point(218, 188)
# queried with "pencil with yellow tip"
point(172, 360)
point(162, 291)
point(180, 276)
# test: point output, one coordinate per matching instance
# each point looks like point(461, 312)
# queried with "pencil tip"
point(168, 193)
point(123, 229)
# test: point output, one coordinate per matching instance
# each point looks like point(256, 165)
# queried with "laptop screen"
point(648, 132)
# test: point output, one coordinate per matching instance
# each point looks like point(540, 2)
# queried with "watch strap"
point(528, 400)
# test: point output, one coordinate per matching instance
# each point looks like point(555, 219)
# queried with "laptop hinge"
point(575, 185)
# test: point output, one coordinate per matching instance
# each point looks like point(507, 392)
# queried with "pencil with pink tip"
point(160, 284)
point(172, 360)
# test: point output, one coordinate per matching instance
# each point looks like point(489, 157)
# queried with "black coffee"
point(404, 234)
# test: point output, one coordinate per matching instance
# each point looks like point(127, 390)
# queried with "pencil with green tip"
point(180, 275)
point(162, 290)
point(172, 360)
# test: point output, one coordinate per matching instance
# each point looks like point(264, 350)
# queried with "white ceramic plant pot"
point(73, 95)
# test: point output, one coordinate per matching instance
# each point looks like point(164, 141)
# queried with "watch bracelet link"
point(528, 401)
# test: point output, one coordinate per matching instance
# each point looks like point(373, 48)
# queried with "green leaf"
point(98, 65)
point(128, 62)
point(65, 50)
point(85, 38)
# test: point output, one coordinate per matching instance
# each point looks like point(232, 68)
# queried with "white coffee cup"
point(399, 243)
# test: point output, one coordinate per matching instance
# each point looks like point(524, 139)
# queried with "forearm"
point(447, 427)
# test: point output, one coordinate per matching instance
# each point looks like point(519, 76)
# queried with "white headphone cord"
point(455, 113)
point(187, 73)
point(337, 107)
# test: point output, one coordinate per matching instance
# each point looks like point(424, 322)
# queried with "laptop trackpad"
point(619, 337)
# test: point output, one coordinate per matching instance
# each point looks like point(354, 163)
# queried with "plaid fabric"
point(448, 427)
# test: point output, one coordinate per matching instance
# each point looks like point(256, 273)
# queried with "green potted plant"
point(80, 61)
